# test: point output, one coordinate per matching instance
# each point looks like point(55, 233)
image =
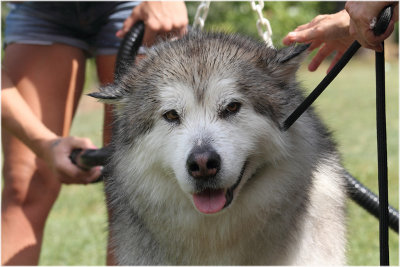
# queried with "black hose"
point(383, 21)
point(380, 27)
point(128, 49)
point(86, 159)
point(369, 201)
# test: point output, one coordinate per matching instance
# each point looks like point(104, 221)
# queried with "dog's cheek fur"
point(145, 167)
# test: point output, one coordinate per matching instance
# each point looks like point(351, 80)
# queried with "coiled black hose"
point(128, 49)
point(369, 201)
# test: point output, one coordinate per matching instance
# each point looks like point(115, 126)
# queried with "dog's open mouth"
point(212, 200)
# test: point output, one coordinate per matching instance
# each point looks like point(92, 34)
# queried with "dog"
point(201, 171)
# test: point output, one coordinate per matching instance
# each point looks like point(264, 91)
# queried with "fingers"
point(156, 30)
point(303, 36)
point(395, 16)
point(335, 60)
point(312, 35)
point(319, 57)
point(128, 23)
point(314, 45)
point(72, 174)
point(307, 32)
point(84, 143)
point(163, 20)
point(66, 171)
point(376, 41)
point(298, 37)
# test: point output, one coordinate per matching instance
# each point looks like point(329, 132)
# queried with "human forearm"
point(18, 118)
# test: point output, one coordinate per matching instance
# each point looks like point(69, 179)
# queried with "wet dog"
point(202, 172)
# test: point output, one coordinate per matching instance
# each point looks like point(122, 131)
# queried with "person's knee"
point(29, 182)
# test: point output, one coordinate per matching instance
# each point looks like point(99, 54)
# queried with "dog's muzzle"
point(203, 164)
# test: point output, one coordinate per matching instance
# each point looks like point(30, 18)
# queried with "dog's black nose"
point(203, 163)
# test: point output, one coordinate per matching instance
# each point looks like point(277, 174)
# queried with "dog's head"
point(206, 110)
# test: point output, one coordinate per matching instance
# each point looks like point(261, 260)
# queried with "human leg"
point(105, 70)
point(50, 79)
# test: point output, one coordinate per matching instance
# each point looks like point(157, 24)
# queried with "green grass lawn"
point(76, 231)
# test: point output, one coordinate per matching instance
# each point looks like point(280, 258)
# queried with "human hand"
point(331, 31)
point(162, 19)
point(56, 154)
point(361, 16)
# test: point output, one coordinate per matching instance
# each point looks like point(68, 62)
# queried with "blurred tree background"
point(283, 16)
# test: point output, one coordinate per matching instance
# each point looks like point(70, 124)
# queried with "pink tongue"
point(209, 200)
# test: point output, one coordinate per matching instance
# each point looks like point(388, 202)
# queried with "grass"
point(76, 231)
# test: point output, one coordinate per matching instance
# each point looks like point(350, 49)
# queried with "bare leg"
point(50, 79)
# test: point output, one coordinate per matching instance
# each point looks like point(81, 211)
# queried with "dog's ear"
point(109, 94)
point(290, 53)
point(288, 59)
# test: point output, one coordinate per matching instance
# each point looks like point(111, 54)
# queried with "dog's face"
point(206, 111)
point(210, 138)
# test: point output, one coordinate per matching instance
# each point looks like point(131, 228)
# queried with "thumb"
point(84, 143)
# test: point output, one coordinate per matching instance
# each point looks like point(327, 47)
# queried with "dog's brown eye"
point(171, 116)
point(230, 109)
point(233, 107)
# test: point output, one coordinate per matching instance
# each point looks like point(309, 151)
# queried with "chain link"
point(263, 26)
point(201, 15)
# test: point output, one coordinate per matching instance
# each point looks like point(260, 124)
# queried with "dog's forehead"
point(210, 71)
point(205, 78)
point(215, 90)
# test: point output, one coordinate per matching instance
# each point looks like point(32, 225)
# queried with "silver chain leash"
point(263, 26)
point(201, 15)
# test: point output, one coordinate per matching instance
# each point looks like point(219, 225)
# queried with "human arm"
point(161, 18)
point(19, 120)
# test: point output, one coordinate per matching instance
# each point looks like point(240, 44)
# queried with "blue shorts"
point(90, 26)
